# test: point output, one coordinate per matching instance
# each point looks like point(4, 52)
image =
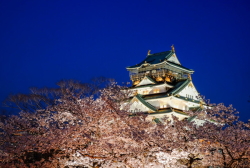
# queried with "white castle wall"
point(190, 92)
point(174, 59)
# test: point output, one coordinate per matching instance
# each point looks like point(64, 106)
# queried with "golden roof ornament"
point(201, 105)
point(191, 85)
point(168, 79)
point(159, 79)
point(173, 50)
point(135, 93)
point(136, 82)
point(149, 52)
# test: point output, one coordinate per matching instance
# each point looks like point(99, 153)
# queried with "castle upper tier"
point(162, 86)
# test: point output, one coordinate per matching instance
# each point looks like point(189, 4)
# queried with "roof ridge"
point(181, 87)
point(160, 53)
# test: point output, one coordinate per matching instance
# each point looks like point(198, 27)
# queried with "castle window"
point(189, 96)
point(163, 106)
point(157, 91)
point(145, 92)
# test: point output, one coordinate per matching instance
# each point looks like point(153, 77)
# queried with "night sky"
point(42, 42)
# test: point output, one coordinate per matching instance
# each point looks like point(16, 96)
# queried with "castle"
point(161, 86)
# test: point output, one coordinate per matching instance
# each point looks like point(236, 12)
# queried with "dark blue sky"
point(42, 42)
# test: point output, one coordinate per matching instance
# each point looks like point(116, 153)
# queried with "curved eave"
point(187, 99)
point(148, 64)
point(152, 85)
point(169, 111)
point(165, 62)
point(168, 96)
point(179, 67)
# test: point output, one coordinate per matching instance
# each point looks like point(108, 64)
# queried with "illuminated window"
point(163, 106)
point(189, 96)
point(145, 92)
point(157, 91)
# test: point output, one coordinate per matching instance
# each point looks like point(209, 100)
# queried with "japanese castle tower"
point(162, 86)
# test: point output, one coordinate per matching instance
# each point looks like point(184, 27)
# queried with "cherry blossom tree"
point(82, 125)
point(225, 136)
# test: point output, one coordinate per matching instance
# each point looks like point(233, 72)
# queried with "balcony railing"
point(155, 74)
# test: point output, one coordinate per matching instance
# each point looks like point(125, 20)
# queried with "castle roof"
point(155, 58)
point(162, 86)
point(159, 58)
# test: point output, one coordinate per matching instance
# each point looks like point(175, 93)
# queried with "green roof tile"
point(148, 105)
point(190, 119)
point(155, 96)
point(155, 58)
point(158, 58)
point(157, 120)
